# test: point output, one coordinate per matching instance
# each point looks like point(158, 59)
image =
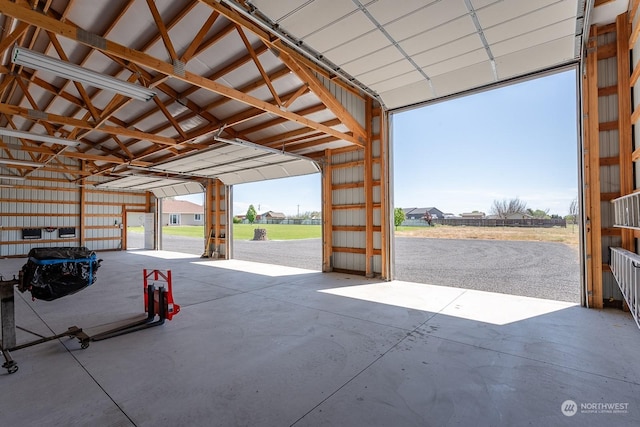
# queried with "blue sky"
point(462, 154)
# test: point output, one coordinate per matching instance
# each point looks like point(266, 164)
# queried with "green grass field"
point(245, 231)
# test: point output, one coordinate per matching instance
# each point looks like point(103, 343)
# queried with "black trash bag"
point(52, 273)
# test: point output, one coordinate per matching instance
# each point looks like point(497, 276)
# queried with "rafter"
point(41, 149)
point(162, 29)
point(69, 121)
point(257, 63)
point(61, 28)
point(83, 93)
point(306, 75)
point(197, 40)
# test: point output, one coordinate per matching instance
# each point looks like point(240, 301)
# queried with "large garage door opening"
point(487, 188)
point(279, 222)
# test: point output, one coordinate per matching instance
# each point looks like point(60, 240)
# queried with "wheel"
point(12, 369)
point(84, 345)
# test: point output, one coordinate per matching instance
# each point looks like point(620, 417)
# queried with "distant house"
point(272, 216)
point(181, 212)
point(419, 213)
point(448, 215)
point(471, 215)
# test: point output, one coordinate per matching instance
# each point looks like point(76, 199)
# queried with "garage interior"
point(106, 107)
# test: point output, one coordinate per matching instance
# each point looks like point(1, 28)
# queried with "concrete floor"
point(263, 345)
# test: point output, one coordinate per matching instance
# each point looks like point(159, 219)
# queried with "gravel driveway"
point(535, 269)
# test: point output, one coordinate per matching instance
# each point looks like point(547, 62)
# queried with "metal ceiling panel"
point(463, 78)
point(400, 81)
point(434, 15)
point(462, 46)
point(234, 164)
point(315, 15)
point(547, 34)
point(373, 61)
point(358, 47)
point(389, 11)
point(405, 42)
point(278, 10)
point(443, 35)
point(528, 23)
point(161, 187)
point(522, 61)
point(398, 68)
point(456, 63)
point(352, 26)
point(287, 169)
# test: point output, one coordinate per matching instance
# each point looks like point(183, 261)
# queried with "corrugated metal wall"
point(358, 206)
point(47, 202)
point(609, 147)
point(353, 103)
point(104, 217)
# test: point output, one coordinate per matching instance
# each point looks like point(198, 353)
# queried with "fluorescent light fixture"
point(38, 137)
point(38, 61)
point(17, 162)
point(13, 177)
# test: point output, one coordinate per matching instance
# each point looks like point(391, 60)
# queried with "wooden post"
point(327, 213)
point(385, 221)
point(624, 118)
point(592, 175)
point(7, 311)
point(368, 191)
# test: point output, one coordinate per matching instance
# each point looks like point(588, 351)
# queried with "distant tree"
point(504, 208)
point(538, 213)
point(573, 212)
point(398, 216)
point(251, 214)
point(237, 220)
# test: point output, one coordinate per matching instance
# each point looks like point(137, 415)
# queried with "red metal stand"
point(160, 278)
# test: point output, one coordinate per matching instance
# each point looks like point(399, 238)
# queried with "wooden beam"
point(592, 171)
point(327, 212)
point(274, 42)
point(162, 29)
point(321, 91)
point(191, 49)
point(624, 119)
point(633, 9)
point(608, 90)
point(607, 51)
point(25, 14)
point(385, 200)
point(368, 192)
point(258, 65)
point(70, 121)
point(606, 126)
point(609, 161)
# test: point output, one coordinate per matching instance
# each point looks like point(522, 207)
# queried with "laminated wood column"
point(592, 176)
point(624, 118)
point(214, 216)
point(368, 192)
point(327, 213)
point(385, 207)
point(82, 195)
